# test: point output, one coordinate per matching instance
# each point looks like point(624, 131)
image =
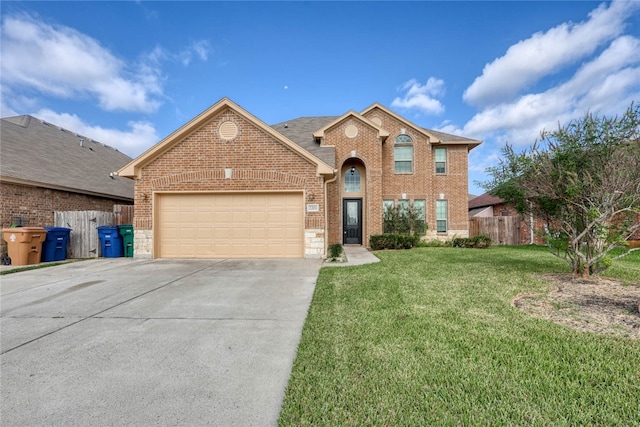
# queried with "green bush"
point(393, 241)
point(335, 250)
point(434, 243)
point(478, 242)
point(403, 221)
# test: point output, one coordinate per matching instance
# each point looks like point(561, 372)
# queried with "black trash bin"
point(110, 241)
point(54, 247)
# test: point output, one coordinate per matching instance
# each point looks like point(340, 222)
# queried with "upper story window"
point(440, 155)
point(352, 180)
point(403, 154)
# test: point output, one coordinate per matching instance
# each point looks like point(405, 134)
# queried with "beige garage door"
point(229, 225)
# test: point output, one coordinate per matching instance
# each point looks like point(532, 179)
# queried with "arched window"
point(352, 180)
point(403, 154)
point(403, 139)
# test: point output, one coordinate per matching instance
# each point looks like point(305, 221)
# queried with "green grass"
point(429, 337)
point(38, 266)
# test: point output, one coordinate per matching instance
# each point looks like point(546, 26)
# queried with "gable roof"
point(133, 168)
point(34, 152)
point(382, 133)
point(485, 200)
point(301, 131)
point(435, 137)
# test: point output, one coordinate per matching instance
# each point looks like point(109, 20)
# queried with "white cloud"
point(139, 136)
point(547, 52)
point(605, 85)
point(63, 62)
point(421, 97)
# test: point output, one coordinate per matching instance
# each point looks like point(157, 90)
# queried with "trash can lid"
point(23, 229)
point(56, 228)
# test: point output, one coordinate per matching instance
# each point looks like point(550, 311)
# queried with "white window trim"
point(446, 219)
point(446, 161)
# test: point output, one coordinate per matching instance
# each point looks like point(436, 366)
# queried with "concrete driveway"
point(122, 341)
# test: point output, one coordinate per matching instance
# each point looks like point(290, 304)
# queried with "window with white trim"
point(441, 216)
point(440, 156)
point(403, 154)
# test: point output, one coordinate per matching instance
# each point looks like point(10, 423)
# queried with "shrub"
point(482, 241)
point(396, 220)
point(434, 243)
point(393, 241)
point(478, 242)
point(335, 250)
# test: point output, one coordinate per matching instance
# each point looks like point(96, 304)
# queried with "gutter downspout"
point(326, 215)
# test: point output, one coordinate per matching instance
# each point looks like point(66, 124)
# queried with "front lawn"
point(430, 337)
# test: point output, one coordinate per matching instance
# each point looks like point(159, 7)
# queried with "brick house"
point(228, 185)
point(44, 168)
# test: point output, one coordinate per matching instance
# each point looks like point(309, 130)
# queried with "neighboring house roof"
point(133, 168)
point(484, 200)
point(34, 152)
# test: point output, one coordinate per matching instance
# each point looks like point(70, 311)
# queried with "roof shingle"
point(39, 153)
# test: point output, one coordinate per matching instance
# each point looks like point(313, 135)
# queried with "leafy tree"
point(583, 179)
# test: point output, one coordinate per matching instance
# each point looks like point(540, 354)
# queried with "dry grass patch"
point(592, 304)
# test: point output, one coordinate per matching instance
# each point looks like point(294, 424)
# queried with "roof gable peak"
point(382, 133)
point(133, 168)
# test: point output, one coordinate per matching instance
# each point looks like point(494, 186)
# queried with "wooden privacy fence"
point(503, 230)
point(83, 239)
point(123, 214)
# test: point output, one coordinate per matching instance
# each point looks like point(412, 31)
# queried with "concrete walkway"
point(356, 255)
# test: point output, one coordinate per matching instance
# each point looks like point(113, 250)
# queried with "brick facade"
point(375, 159)
point(201, 156)
point(35, 206)
point(258, 162)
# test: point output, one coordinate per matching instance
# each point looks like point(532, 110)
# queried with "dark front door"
point(352, 221)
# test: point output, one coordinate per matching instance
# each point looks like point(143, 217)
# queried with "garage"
point(229, 225)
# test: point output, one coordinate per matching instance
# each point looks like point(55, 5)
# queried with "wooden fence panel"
point(503, 230)
point(123, 214)
point(83, 240)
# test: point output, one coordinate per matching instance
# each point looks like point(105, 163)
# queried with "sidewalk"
point(356, 255)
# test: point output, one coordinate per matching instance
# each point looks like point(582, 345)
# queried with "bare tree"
point(583, 179)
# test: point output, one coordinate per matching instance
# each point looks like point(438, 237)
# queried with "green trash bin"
point(126, 231)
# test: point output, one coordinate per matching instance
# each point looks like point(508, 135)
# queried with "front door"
point(352, 221)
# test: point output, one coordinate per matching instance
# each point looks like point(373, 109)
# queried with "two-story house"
point(228, 185)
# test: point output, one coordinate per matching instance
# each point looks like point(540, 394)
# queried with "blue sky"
point(129, 73)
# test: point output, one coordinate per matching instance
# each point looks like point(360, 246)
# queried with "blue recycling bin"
point(54, 247)
point(110, 241)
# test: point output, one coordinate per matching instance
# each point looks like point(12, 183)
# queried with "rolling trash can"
point(110, 241)
point(54, 247)
point(126, 231)
point(24, 244)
